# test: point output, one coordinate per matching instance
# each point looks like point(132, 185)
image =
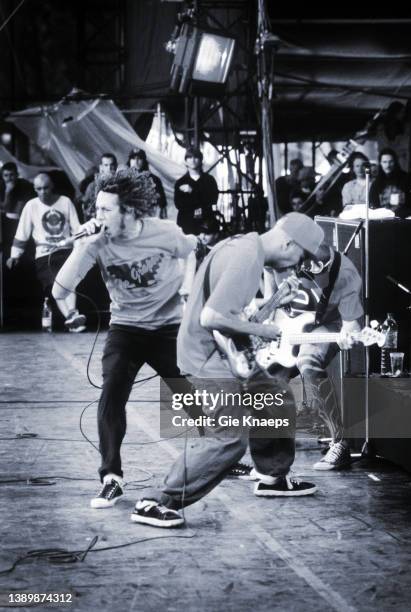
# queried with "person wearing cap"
point(195, 194)
point(326, 272)
point(224, 285)
point(138, 159)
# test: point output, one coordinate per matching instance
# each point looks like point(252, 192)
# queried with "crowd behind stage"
point(195, 198)
point(390, 186)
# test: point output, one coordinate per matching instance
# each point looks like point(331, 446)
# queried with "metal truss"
point(101, 45)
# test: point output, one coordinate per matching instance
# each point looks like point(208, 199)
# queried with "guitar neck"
point(313, 338)
point(271, 305)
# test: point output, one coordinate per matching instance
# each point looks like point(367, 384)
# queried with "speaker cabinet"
point(389, 245)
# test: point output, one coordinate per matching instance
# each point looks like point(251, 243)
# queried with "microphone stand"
point(345, 361)
point(1, 273)
point(365, 451)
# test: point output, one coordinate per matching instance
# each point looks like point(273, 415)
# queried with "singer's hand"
point(91, 227)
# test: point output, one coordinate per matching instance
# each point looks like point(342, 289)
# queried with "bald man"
point(50, 219)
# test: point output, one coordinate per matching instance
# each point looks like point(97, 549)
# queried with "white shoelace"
point(149, 504)
point(111, 488)
point(334, 452)
point(290, 480)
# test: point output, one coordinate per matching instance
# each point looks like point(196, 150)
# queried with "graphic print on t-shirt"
point(53, 222)
point(142, 273)
point(306, 300)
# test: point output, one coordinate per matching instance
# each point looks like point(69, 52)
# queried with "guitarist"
point(330, 287)
point(224, 285)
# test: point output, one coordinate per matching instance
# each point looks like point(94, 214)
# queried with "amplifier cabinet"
point(388, 255)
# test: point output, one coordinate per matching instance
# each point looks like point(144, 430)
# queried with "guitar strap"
point(325, 296)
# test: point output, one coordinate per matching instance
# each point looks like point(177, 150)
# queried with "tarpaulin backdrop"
point(75, 134)
point(26, 171)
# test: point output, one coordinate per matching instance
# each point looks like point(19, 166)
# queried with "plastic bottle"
point(390, 328)
point(46, 317)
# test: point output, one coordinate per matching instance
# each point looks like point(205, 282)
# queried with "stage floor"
point(345, 548)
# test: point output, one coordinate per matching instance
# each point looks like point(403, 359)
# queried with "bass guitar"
point(261, 354)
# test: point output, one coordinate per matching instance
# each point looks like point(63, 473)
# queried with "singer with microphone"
point(140, 260)
point(51, 220)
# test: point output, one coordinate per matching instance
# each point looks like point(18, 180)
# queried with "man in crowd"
point(139, 259)
point(392, 186)
point(138, 159)
point(285, 185)
point(107, 167)
point(50, 219)
point(14, 193)
point(195, 194)
point(224, 285)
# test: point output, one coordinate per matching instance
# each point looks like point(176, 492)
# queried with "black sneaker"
point(241, 471)
point(150, 512)
point(284, 487)
point(108, 496)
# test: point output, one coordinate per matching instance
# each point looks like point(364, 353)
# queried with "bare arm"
point(189, 273)
point(213, 320)
point(72, 272)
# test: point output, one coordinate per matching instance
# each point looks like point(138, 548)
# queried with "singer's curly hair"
point(136, 191)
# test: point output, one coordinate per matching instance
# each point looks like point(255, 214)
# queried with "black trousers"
point(126, 350)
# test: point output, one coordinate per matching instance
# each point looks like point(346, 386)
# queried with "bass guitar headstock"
point(372, 335)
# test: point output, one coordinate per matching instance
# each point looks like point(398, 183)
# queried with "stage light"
point(213, 59)
point(202, 61)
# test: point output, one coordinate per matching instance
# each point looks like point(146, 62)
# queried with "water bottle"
point(390, 329)
point(46, 316)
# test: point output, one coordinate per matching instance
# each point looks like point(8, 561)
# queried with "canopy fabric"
point(75, 134)
point(26, 171)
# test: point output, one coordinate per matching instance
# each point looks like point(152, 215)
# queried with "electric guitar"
point(247, 360)
point(241, 351)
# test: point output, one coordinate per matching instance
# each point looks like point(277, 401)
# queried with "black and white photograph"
point(205, 306)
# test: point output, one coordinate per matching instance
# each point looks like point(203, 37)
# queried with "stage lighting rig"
point(202, 60)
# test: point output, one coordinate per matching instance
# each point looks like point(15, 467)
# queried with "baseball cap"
point(303, 230)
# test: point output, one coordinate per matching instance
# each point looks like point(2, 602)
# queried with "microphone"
point(355, 234)
point(83, 233)
point(395, 282)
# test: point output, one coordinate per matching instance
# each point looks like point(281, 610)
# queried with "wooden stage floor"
point(345, 549)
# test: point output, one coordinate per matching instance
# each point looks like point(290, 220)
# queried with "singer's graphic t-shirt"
point(142, 274)
point(47, 224)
